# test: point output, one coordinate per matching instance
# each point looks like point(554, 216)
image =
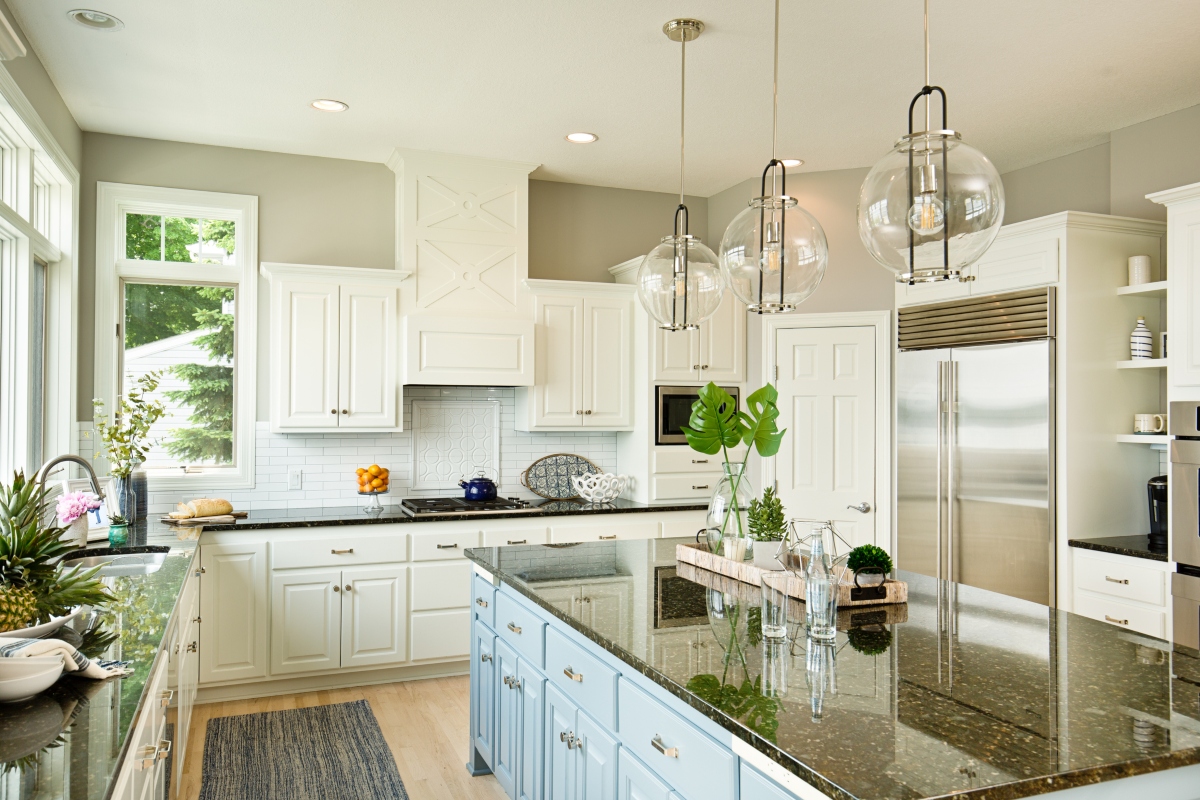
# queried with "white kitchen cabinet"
point(233, 607)
point(715, 352)
point(1127, 592)
point(334, 349)
point(584, 359)
point(441, 635)
point(374, 615)
point(1183, 311)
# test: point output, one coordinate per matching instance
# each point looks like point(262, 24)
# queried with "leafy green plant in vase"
point(870, 564)
point(118, 530)
point(768, 527)
point(716, 426)
point(126, 439)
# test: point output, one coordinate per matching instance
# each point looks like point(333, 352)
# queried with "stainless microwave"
point(673, 409)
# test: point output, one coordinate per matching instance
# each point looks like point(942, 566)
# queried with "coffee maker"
point(1156, 490)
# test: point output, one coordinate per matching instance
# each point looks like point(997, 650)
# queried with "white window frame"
point(29, 147)
point(113, 202)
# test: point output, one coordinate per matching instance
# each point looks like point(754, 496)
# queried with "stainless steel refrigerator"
point(975, 442)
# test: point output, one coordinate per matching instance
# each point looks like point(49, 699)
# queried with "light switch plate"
point(295, 478)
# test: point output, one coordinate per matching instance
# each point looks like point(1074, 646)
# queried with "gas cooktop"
point(436, 506)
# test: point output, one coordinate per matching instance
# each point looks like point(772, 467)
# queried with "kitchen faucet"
point(42, 473)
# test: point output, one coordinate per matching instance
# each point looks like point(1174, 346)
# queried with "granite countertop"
point(67, 741)
point(353, 515)
point(1020, 700)
point(1135, 546)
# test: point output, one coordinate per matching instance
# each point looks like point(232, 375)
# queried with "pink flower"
point(73, 505)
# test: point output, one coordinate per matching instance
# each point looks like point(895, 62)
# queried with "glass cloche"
point(774, 254)
point(680, 283)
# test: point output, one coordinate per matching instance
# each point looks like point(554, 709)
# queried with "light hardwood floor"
point(426, 723)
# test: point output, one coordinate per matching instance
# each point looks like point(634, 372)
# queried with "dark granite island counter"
point(976, 695)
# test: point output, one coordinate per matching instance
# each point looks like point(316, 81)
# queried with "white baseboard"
point(333, 680)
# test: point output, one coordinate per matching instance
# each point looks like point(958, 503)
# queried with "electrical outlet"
point(295, 478)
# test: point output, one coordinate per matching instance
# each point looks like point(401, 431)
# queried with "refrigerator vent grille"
point(1011, 317)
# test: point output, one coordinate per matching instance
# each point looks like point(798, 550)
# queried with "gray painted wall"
point(1154, 155)
point(577, 232)
point(1076, 182)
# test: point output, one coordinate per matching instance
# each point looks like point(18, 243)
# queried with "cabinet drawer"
point(445, 585)
point(582, 677)
point(483, 601)
point(685, 487)
point(1135, 618)
point(345, 551)
point(441, 634)
point(441, 546)
point(683, 459)
point(614, 529)
point(521, 536)
point(694, 764)
point(521, 629)
point(1128, 581)
point(141, 757)
point(685, 523)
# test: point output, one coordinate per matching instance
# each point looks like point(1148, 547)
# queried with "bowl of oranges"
point(373, 481)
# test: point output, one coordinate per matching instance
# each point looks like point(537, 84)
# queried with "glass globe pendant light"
point(934, 204)
point(774, 253)
point(679, 282)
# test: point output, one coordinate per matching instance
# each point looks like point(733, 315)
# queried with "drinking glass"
point(775, 603)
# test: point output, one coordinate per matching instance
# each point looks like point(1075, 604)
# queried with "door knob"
point(862, 508)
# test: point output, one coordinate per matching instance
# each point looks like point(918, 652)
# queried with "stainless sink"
point(116, 565)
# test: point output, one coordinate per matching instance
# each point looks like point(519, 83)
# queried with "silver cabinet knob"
point(862, 508)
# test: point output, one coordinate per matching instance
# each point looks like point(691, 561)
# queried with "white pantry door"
point(826, 383)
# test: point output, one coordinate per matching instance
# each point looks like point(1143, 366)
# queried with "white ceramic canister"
point(1139, 270)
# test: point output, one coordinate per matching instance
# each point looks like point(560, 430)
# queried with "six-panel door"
point(306, 617)
point(233, 605)
point(374, 615)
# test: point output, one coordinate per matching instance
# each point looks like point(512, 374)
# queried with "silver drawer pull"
point(514, 628)
point(507, 681)
point(145, 759)
point(1122, 581)
point(484, 657)
point(1115, 620)
point(164, 749)
point(573, 675)
point(519, 541)
point(705, 486)
point(448, 546)
point(479, 601)
point(194, 647)
point(342, 552)
point(699, 460)
point(166, 698)
point(609, 537)
point(669, 752)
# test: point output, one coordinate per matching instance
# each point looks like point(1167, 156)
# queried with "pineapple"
point(33, 584)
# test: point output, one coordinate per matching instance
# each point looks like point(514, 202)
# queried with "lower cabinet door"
point(233, 603)
point(635, 782)
point(756, 786)
point(441, 634)
point(559, 752)
point(374, 615)
point(306, 618)
point(532, 692)
point(595, 760)
point(506, 749)
point(483, 694)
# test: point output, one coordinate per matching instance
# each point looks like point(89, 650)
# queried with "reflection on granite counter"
point(353, 515)
point(67, 742)
point(1019, 700)
point(1135, 546)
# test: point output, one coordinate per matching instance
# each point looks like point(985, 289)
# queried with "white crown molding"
point(11, 45)
point(1084, 220)
point(395, 161)
point(273, 271)
point(544, 286)
point(45, 140)
point(626, 271)
point(1179, 194)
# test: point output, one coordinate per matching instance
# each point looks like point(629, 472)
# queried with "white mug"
point(1139, 270)
point(1149, 423)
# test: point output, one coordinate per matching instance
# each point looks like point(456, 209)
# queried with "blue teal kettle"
point(479, 488)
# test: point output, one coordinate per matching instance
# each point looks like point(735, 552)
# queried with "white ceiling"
point(1027, 79)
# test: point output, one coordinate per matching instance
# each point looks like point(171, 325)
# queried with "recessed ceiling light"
point(793, 162)
point(581, 137)
point(329, 105)
point(95, 20)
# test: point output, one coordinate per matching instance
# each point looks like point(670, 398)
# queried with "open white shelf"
point(1143, 438)
point(1143, 363)
point(1155, 289)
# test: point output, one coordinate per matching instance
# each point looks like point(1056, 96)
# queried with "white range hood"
point(462, 241)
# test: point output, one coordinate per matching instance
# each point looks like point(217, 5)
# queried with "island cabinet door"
point(559, 746)
point(532, 691)
point(506, 749)
point(483, 694)
point(233, 607)
point(374, 615)
point(596, 760)
point(755, 786)
point(635, 782)
point(306, 617)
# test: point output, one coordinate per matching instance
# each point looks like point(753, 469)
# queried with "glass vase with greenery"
point(126, 438)
point(715, 426)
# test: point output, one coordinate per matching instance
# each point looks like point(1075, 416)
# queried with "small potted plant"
point(126, 439)
point(767, 524)
point(118, 530)
point(72, 509)
point(870, 565)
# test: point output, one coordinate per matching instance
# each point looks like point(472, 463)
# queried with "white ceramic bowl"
point(38, 631)
point(19, 667)
point(30, 685)
point(599, 487)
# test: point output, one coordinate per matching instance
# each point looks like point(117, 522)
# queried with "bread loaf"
point(182, 511)
point(209, 507)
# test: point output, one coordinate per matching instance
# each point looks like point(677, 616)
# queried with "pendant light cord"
point(682, 104)
point(928, 98)
point(775, 103)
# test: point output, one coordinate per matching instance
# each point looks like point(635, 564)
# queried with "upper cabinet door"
point(676, 355)
point(723, 343)
point(558, 393)
point(608, 363)
point(306, 354)
point(367, 357)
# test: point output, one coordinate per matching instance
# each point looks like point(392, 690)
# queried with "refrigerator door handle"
point(941, 402)
point(951, 446)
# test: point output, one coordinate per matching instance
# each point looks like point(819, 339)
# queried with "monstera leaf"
point(715, 421)
point(760, 429)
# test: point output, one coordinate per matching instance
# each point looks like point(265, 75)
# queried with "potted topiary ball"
point(870, 565)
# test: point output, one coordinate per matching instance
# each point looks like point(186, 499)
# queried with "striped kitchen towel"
point(73, 660)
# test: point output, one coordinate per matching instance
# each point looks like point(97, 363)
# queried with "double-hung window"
point(176, 294)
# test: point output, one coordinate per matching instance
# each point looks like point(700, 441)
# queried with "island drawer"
point(521, 629)
point(618, 526)
point(1116, 577)
point(441, 546)
point(348, 551)
point(683, 755)
point(582, 677)
point(685, 487)
point(483, 600)
point(1149, 621)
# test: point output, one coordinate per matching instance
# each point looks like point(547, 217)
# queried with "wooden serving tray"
point(223, 519)
point(697, 555)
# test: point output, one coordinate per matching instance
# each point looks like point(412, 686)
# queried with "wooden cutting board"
point(223, 519)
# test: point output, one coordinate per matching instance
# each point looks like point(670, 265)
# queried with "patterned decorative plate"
point(550, 476)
